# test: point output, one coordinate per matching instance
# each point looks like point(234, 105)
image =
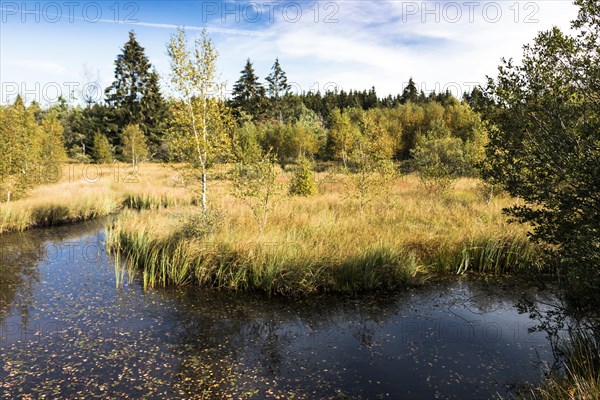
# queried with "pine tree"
point(249, 93)
point(410, 93)
point(278, 89)
point(135, 93)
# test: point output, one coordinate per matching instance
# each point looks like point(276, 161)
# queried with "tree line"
point(137, 122)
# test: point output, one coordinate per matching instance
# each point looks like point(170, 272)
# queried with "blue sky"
point(46, 46)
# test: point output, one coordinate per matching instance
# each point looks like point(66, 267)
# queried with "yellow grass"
point(321, 243)
point(90, 191)
point(326, 242)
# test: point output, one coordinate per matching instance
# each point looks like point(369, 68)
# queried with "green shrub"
point(303, 182)
point(439, 162)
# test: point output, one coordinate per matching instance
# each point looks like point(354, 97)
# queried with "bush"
point(102, 150)
point(439, 162)
point(200, 225)
point(303, 182)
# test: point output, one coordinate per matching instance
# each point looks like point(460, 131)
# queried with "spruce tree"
point(135, 93)
point(156, 114)
point(278, 89)
point(410, 93)
point(249, 93)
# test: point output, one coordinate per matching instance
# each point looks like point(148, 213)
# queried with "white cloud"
point(377, 43)
point(373, 43)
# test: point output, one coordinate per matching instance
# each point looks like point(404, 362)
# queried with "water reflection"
point(68, 330)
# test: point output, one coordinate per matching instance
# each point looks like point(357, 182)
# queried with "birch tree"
point(199, 136)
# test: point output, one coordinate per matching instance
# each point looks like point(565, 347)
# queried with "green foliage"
point(410, 93)
point(305, 137)
point(31, 151)
point(303, 183)
point(249, 95)
point(439, 162)
point(278, 91)
point(200, 121)
point(200, 226)
point(135, 94)
point(255, 182)
point(51, 141)
point(247, 143)
point(343, 134)
point(412, 119)
point(102, 150)
point(134, 144)
point(371, 169)
point(544, 146)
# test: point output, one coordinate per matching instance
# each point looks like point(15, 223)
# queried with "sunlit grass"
point(322, 243)
point(579, 377)
point(328, 242)
point(89, 191)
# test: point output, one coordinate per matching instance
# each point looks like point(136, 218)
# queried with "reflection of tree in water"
point(563, 318)
point(483, 294)
point(235, 345)
point(19, 256)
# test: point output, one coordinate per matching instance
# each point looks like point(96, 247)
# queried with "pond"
point(68, 330)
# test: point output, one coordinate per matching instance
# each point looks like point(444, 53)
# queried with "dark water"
point(67, 331)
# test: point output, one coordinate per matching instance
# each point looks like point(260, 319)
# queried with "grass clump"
point(287, 269)
point(579, 377)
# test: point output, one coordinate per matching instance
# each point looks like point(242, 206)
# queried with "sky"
point(52, 48)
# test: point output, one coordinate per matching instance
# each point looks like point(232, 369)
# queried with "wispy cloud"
point(355, 44)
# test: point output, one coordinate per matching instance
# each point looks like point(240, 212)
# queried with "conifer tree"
point(249, 93)
point(410, 93)
point(278, 89)
point(135, 93)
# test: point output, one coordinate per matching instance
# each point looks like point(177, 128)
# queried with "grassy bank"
point(578, 377)
point(85, 192)
point(327, 243)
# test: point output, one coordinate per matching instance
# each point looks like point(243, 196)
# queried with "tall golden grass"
point(579, 377)
point(88, 191)
point(327, 242)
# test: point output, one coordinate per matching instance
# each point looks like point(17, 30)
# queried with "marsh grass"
point(328, 243)
point(105, 191)
point(579, 379)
